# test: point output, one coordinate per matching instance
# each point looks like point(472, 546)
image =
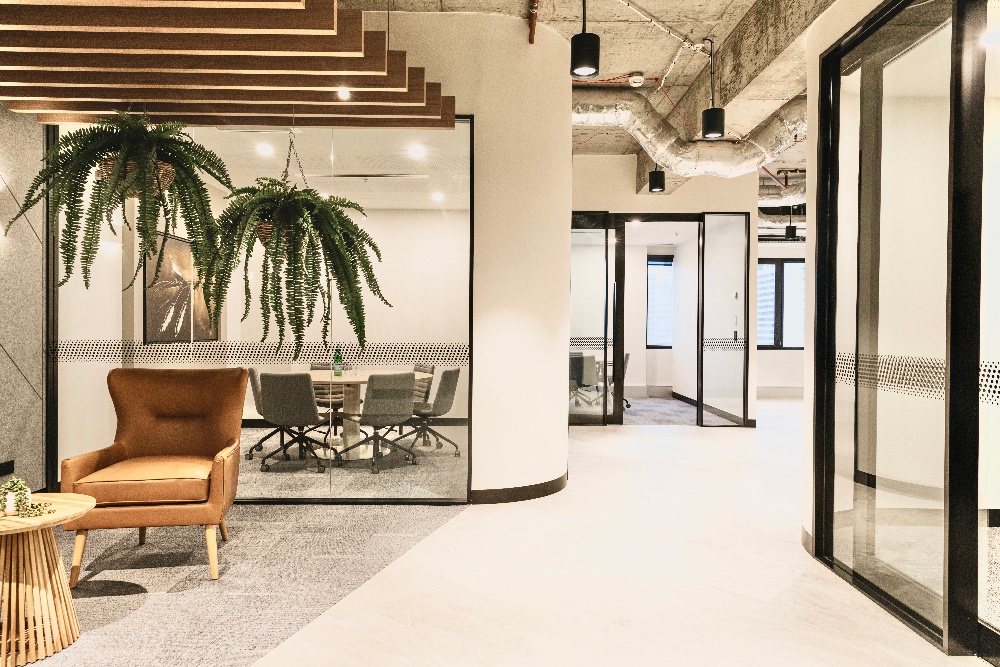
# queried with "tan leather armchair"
point(175, 458)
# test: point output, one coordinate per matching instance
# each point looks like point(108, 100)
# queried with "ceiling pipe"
point(774, 178)
point(532, 20)
point(769, 196)
point(626, 109)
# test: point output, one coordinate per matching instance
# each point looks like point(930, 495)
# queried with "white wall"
point(607, 183)
point(685, 352)
point(635, 319)
point(520, 95)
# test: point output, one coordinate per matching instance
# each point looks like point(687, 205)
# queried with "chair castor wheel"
point(320, 468)
point(258, 447)
point(338, 462)
point(374, 470)
point(249, 455)
point(413, 461)
point(287, 457)
point(264, 467)
point(458, 455)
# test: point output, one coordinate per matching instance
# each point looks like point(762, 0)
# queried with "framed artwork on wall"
point(173, 310)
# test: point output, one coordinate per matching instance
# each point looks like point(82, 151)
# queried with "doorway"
point(655, 340)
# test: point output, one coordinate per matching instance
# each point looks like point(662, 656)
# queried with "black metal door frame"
point(962, 633)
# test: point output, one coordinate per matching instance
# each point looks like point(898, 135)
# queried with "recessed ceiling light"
point(417, 151)
point(265, 149)
point(344, 94)
point(437, 196)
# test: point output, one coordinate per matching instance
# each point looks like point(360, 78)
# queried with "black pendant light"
point(713, 119)
point(585, 52)
point(657, 180)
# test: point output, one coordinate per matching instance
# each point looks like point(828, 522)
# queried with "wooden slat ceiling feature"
point(372, 62)
point(430, 108)
point(394, 80)
point(446, 121)
point(28, 99)
point(210, 63)
point(344, 43)
point(186, 4)
point(317, 17)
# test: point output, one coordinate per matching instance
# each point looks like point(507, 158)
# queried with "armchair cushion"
point(149, 480)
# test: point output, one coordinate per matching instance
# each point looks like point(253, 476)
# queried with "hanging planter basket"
point(166, 174)
point(264, 232)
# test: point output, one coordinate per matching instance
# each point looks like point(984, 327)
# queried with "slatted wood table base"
point(37, 617)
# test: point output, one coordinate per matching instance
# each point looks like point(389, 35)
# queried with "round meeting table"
point(37, 617)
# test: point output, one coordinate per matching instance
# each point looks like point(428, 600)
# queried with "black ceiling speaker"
point(713, 119)
point(657, 181)
point(585, 51)
point(791, 232)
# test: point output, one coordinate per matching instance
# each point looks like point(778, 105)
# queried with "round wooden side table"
point(37, 617)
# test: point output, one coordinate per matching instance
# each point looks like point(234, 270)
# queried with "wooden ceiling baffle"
point(210, 62)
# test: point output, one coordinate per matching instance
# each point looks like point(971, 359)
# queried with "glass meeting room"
point(325, 419)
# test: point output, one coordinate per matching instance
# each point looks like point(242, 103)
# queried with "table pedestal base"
point(37, 617)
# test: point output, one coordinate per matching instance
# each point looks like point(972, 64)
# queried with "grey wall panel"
point(22, 303)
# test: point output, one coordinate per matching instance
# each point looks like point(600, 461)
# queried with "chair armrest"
point(77, 467)
point(224, 476)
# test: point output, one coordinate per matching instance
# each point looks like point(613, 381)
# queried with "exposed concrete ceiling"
point(760, 60)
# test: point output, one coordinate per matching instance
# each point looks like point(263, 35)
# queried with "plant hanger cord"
point(293, 151)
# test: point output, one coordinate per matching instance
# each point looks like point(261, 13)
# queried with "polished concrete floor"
point(671, 545)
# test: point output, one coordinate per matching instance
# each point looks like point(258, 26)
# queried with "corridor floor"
point(671, 545)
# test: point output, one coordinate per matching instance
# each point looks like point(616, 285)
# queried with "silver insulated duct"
point(772, 195)
point(627, 109)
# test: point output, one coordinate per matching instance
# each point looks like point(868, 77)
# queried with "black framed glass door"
point(595, 363)
point(723, 314)
point(900, 224)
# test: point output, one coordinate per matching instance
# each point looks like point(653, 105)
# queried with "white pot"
point(10, 503)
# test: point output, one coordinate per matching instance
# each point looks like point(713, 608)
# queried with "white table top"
point(354, 376)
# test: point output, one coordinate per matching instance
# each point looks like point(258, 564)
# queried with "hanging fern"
point(312, 242)
point(158, 164)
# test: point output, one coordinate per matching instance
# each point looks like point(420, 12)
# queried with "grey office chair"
point(288, 401)
point(388, 404)
point(258, 405)
point(329, 396)
point(424, 412)
point(624, 371)
point(422, 388)
point(587, 378)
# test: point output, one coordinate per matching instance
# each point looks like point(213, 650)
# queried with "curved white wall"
point(520, 96)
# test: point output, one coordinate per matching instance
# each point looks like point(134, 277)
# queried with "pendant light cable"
point(711, 66)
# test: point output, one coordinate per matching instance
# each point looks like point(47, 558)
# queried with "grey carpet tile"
point(667, 411)
point(283, 566)
point(438, 473)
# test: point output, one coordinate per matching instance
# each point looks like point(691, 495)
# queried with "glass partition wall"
point(592, 392)
point(903, 410)
point(415, 188)
point(723, 360)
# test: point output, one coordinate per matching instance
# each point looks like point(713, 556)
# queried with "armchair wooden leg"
point(74, 572)
point(142, 536)
point(213, 551)
point(224, 530)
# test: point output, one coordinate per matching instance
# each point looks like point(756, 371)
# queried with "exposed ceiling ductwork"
point(770, 196)
point(780, 221)
point(633, 112)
